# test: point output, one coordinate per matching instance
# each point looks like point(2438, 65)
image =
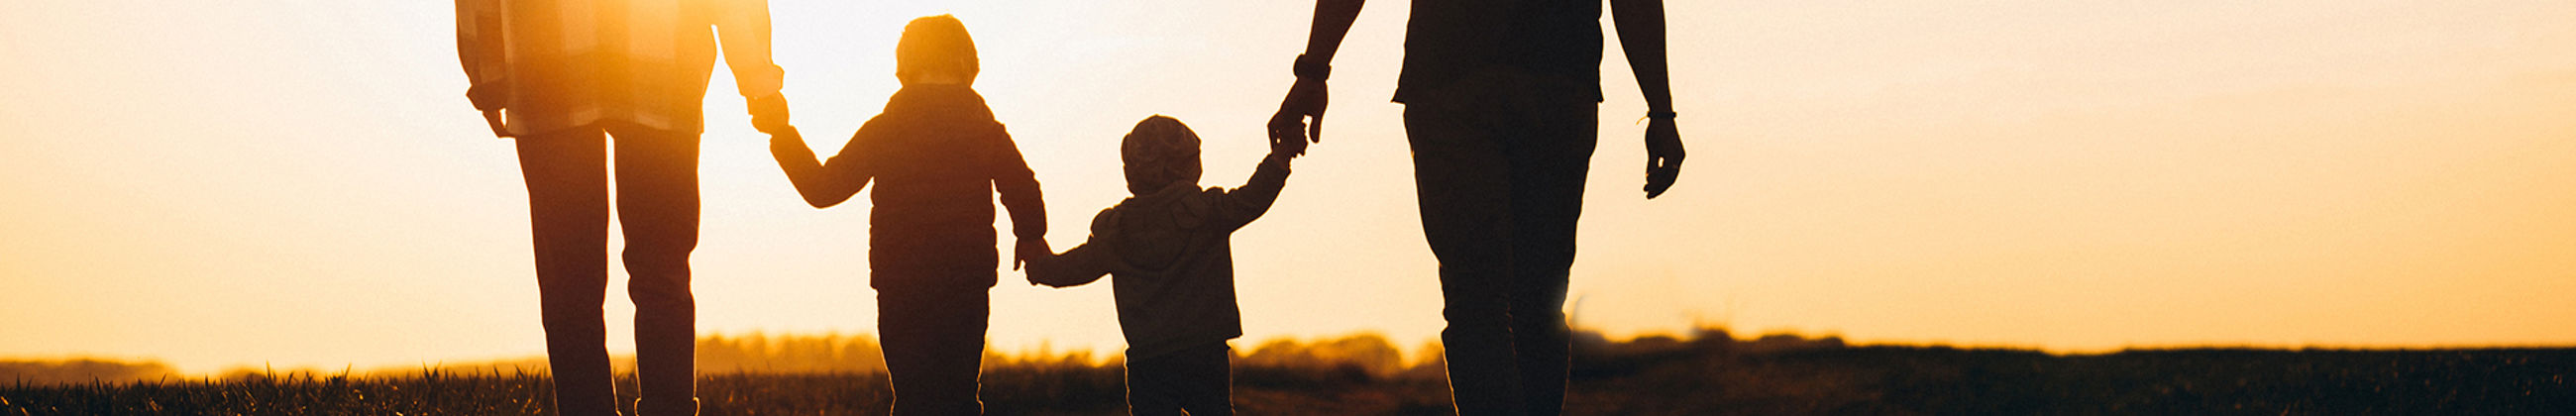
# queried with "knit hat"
point(1160, 153)
point(935, 45)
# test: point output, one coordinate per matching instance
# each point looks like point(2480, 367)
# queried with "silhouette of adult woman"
point(1501, 101)
point(563, 76)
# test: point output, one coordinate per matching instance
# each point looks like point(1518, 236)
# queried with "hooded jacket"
point(938, 157)
point(1172, 256)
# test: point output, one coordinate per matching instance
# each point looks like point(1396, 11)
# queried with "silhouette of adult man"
point(1501, 105)
point(562, 76)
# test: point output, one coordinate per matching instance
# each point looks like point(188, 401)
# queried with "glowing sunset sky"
point(302, 182)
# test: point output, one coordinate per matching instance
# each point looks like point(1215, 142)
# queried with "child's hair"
point(1160, 153)
point(935, 45)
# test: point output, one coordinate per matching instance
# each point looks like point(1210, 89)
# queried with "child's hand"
point(1288, 146)
point(769, 113)
point(786, 141)
point(786, 133)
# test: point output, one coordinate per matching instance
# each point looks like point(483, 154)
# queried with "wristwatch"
point(1308, 67)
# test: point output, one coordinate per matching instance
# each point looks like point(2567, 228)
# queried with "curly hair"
point(1160, 153)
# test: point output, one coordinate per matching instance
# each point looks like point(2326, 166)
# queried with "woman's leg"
point(567, 177)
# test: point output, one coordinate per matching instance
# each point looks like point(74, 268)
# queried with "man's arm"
point(1641, 36)
point(743, 28)
point(822, 185)
point(1306, 99)
point(479, 48)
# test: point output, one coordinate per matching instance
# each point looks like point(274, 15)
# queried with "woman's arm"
point(479, 47)
point(743, 28)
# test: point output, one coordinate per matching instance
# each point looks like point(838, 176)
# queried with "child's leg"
point(1198, 380)
point(934, 346)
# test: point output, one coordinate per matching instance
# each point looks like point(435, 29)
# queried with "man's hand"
point(1663, 156)
point(493, 118)
point(769, 113)
point(1305, 99)
point(1030, 250)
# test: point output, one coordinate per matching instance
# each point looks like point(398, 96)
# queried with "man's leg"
point(1461, 179)
point(657, 207)
point(1551, 154)
point(567, 175)
point(934, 348)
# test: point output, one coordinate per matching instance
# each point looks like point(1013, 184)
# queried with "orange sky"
point(303, 183)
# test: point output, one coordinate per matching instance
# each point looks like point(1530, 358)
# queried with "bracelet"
point(1665, 115)
point(1308, 67)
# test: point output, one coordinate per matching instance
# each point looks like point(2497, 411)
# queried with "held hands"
point(769, 113)
point(1663, 155)
point(1305, 99)
point(1286, 147)
point(785, 140)
point(1032, 252)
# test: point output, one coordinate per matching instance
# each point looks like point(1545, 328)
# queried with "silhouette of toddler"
point(1168, 248)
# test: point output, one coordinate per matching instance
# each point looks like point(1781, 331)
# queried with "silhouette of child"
point(1168, 247)
point(937, 156)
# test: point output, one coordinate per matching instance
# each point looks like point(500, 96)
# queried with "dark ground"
point(1652, 376)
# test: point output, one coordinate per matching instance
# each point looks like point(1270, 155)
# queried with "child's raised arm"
point(1241, 205)
point(823, 185)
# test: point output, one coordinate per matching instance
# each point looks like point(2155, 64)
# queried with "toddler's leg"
point(1209, 381)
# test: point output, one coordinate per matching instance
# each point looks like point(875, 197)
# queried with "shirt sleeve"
point(1239, 206)
point(479, 47)
point(743, 28)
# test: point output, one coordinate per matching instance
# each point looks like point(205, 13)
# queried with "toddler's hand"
point(1288, 146)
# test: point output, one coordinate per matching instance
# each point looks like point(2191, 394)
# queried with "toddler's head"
point(1160, 153)
point(935, 50)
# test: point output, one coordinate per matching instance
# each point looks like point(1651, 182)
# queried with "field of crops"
point(1655, 376)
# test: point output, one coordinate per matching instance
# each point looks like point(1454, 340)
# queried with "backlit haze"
point(303, 183)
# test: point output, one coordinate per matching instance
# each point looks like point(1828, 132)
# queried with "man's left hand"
point(1663, 156)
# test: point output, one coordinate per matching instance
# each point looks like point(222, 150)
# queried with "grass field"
point(1712, 375)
